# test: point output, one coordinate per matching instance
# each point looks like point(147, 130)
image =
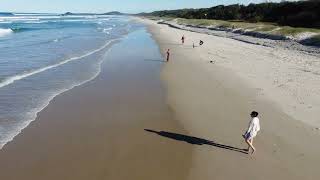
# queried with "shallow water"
point(42, 56)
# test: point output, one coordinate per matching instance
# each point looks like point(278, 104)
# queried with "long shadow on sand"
point(195, 140)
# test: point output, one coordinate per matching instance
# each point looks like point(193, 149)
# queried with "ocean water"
point(43, 55)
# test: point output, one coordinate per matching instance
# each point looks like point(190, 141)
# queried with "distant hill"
point(88, 14)
point(77, 14)
point(6, 14)
point(113, 13)
point(67, 13)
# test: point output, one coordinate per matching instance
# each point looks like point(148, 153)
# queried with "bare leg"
point(248, 149)
point(254, 149)
point(249, 142)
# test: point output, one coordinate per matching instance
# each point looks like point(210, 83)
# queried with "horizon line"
point(78, 12)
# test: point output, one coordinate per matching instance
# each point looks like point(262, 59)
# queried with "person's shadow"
point(195, 140)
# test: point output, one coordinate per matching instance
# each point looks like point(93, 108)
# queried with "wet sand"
point(96, 131)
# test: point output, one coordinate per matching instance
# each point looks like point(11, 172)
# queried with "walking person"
point(168, 55)
point(182, 39)
point(253, 129)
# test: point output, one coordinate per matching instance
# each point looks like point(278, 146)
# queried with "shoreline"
point(97, 130)
point(107, 46)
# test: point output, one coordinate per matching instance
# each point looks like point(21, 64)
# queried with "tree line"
point(296, 14)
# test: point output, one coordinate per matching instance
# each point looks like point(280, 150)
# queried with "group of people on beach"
point(254, 124)
point(182, 41)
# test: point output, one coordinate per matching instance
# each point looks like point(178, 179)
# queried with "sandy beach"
point(213, 100)
point(142, 118)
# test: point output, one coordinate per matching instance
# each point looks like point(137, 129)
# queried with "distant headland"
point(6, 14)
point(84, 14)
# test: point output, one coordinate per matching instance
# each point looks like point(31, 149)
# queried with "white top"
point(254, 127)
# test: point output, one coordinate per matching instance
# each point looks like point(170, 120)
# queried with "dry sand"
point(250, 36)
point(287, 77)
point(213, 100)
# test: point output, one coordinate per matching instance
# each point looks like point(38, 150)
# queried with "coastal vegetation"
point(263, 27)
point(295, 14)
point(299, 21)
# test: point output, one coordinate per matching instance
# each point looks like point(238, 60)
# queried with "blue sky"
point(98, 6)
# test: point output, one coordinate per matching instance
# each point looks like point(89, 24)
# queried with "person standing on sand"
point(168, 55)
point(253, 129)
point(182, 39)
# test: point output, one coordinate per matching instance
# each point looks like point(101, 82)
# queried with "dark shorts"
point(247, 136)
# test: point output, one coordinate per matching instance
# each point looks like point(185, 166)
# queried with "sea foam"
point(11, 135)
point(5, 32)
point(12, 79)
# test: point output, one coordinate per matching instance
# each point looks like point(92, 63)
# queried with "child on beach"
point(168, 55)
point(253, 129)
point(182, 39)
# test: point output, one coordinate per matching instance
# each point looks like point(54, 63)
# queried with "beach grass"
point(268, 28)
point(287, 30)
point(156, 18)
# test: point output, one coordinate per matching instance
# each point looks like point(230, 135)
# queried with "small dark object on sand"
point(182, 39)
point(168, 55)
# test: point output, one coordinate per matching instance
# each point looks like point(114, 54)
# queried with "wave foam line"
point(4, 32)
point(12, 79)
point(50, 98)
